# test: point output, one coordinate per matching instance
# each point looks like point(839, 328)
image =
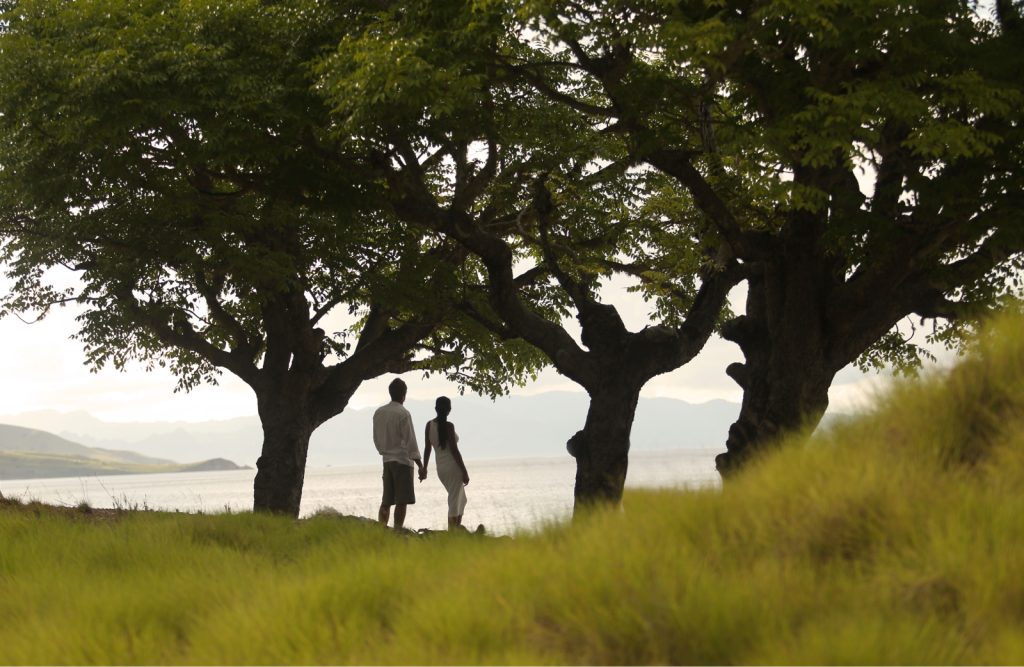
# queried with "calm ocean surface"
point(505, 495)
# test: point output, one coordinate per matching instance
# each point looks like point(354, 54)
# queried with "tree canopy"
point(178, 157)
point(549, 204)
point(446, 183)
point(861, 159)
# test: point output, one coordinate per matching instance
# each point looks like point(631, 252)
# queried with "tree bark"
point(790, 391)
point(601, 449)
point(281, 468)
point(787, 343)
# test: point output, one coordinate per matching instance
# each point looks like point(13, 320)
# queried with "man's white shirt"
point(393, 434)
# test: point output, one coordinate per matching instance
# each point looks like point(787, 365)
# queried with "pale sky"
point(42, 369)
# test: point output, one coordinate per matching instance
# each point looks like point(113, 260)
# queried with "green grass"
point(895, 538)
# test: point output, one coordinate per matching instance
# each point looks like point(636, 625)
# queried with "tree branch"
point(993, 251)
point(499, 329)
point(243, 345)
point(375, 326)
point(179, 333)
point(676, 163)
point(556, 95)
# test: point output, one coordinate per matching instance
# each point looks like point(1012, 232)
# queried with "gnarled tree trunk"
point(601, 449)
point(281, 468)
point(786, 343)
point(790, 392)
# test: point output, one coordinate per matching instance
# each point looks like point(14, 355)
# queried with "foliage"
point(431, 88)
point(141, 168)
point(549, 202)
point(179, 159)
point(894, 538)
point(893, 130)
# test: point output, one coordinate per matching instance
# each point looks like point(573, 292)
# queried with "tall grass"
point(895, 538)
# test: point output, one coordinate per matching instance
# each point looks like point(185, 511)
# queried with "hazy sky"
point(42, 369)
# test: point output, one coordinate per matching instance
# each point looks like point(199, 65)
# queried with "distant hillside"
point(21, 439)
point(22, 465)
point(208, 465)
point(27, 453)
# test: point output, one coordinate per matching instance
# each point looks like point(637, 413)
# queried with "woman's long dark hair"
point(443, 405)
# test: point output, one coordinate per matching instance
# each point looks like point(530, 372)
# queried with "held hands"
point(423, 472)
point(465, 478)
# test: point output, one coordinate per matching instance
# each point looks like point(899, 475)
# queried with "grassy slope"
point(897, 538)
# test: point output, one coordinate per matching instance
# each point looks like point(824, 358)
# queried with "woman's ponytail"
point(442, 406)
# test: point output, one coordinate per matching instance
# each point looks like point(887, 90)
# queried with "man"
point(395, 440)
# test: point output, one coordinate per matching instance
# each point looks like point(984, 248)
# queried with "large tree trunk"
point(789, 393)
point(601, 449)
point(786, 343)
point(281, 468)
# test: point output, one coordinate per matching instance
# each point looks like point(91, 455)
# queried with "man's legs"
point(398, 487)
point(388, 498)
point(405, 492)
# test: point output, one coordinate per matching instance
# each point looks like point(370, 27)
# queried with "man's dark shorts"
point(398, 486)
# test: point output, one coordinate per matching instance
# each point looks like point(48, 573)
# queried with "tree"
point(861, 158)
point(176, 157)
point(547, 203)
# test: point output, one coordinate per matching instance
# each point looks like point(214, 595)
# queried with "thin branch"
point(326, 308)
point(677, 164)
point(222, 317)
point(501, 330)
point(181, 334)
point(44, 310)
point(532, 276)
point(544, 206)
point(375, 325)
point(558, 96)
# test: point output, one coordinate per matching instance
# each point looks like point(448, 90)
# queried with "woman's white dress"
point(448, 471)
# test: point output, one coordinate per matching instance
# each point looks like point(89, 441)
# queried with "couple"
point(395, 439)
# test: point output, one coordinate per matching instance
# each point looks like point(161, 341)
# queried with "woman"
point(440, 435)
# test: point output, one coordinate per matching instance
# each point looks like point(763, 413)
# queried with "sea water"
point(507, 495)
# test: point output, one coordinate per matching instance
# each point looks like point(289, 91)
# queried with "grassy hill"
point(895, 538)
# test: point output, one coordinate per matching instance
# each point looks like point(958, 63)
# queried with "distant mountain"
point(510, 427)
point(27, 453)
point(24, 465)
point(34, 441)
point(210, 465)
